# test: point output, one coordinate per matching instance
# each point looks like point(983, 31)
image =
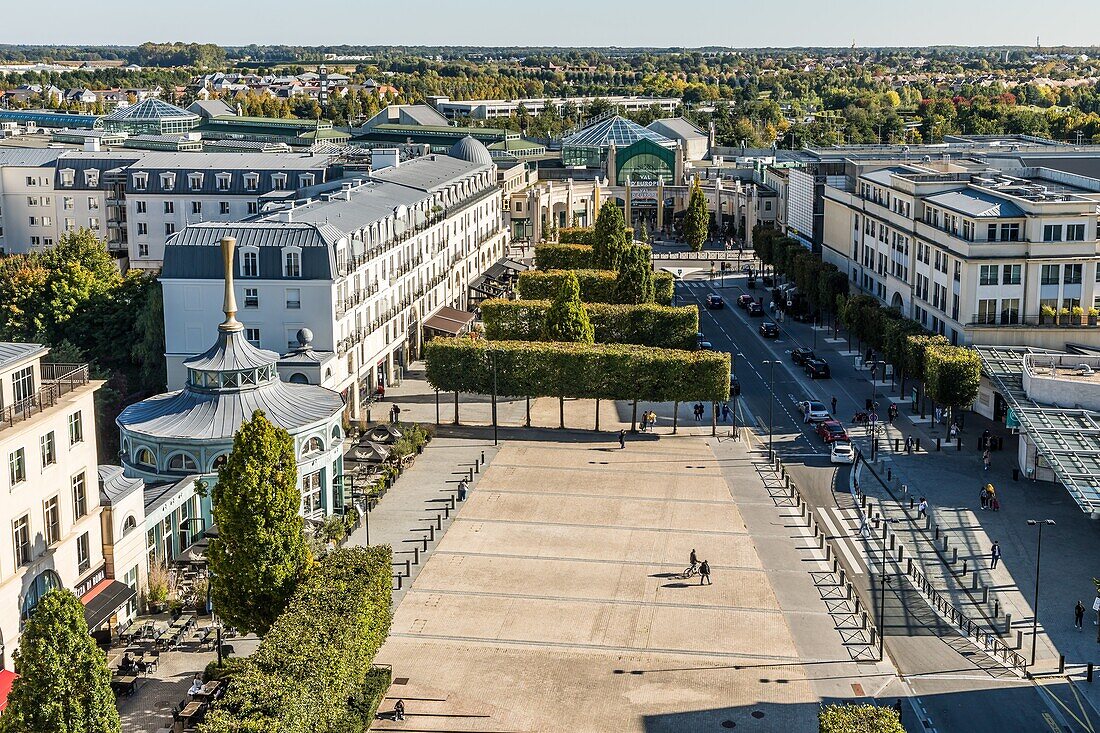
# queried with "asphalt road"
point(954, 688)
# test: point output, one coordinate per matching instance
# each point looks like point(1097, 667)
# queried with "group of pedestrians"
point(649, 420)
point(699, 410)
point(988, 498)
point(702, 568)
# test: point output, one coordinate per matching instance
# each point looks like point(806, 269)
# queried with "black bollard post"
point(416, 556)
point(917, 444)
point(1088, 674)
point(483, 458)
point(958, 444)
point(937, 445)
point(897, 444)
point(889, 473)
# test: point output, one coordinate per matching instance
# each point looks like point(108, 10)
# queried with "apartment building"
point(51, 510)
point(27, 216)
point(487, 109)
point(976, 254)
point(346, 284)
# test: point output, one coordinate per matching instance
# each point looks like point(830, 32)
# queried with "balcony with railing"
point(57, 380)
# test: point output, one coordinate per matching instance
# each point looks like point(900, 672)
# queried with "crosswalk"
point(843, 529)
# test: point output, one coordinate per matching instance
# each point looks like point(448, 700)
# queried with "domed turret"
point(472, 151)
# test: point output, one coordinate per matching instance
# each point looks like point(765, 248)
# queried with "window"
point(1049, 275)
point(293, 298)
point(987, 310)
point(1075, 232)
point(251, 297)
point(311, 493)
point(93, 203)
point(140, 207)
point(83, 553)
point(182, 462)
point(21, 535)
point(22, 384)
point(1072, 274)
point(251, 182)
point(1010, 232)
point(250, 263)
point(17, 466)
point(223, 181)
point(68, 203)
point(278, 181)
point(169, 207)
point(70, 224)
point(36, 242)
point(196, 207)
point(49, 449)
point(292, 264)
point(1052, 233)
point(141, 181)
point(142, 228)
point(129, 525)
point(51, 512)
point(93, 224)
point(143, 249)
point(194, 180)
point(991, 232)
point(224, 208)
point(252, 336)
point(1010, 311)
point(253, 207)
point(145, 457)
point(313, 447)
point(80, 496)
point(988, 275)
point(1011, 275)
point(305, 179)
point(76, 429)
point(169, 229)
point(33, 221)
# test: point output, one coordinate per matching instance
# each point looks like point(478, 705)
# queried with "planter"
point(156, 607)
point(1092, 320)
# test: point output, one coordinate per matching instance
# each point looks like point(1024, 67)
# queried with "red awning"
point(6, 680)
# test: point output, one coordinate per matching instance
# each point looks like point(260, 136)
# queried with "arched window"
point(46, 581)
point(337, 434)
point(182, 462)
point(298, 378)
point(219, 461)
point(145, 457)
point(313, 446)
point(128, 525)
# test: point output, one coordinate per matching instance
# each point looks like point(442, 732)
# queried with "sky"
point(659, 23)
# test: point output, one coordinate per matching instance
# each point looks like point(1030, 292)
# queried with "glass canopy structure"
point(150, 117)
point(588, 146)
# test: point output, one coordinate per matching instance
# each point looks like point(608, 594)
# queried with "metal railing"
point(57, 380)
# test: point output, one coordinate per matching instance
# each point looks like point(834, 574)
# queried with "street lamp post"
point(771, 405)
point(1035, 606)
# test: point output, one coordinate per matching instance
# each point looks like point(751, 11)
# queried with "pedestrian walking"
point(864, 526)
point(922, 507)
point(463, 489)
point(953, 433)
point(897, 707)
point(985, 439)
point(704, 573)
point(1079, 615)
point(834, 406)
point(908, 445)
point(399, 710)
point(395, 413)
point(622, 439)
point(987, 459)
point(994, 554)
point(983, 496)
point(725, 412)
point(644, 420)
point(652, 420)
point(892, 413)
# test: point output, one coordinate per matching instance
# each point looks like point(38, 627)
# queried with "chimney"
point(229, 305)
point(91, 144)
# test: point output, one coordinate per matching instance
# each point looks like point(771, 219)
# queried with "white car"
point(813, 411)
point(842, 453)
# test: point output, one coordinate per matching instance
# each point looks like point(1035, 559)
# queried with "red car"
point(744, 299)
point(831, 431)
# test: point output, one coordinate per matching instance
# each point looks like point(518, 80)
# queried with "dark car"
point(706, 346)
point(831, 431)
point(818, 369)
point(714, 302)
point(769, 281)
point(755, 309)
point(744, 299)
point(735, 386)
point(801, 355)
point(769, 330)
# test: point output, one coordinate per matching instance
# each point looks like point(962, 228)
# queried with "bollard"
point(917, 445)
point(857, 604)
point(483, 458)
point(937, 533)
point(901, 552)
point(996, 607)
point(937, 444)
point(893, 541)
point(452, 501)
point(848, 589)
point(958, 444)
point(1019, 639)
point(446, 511)
point(912, 502)
point(909, 567)
point(835, 565)
point(398, 582)
point(1061, 664)
point(439, 521)
point(431, 533)
point(788, 480)
point(424, 540)
point(873, 636)
point(889, 474)
point(1088, 674)
point(965, 564)
point(863, 501)
point(954, 556)
point(945, 543)
point(828, 550)
point(841, 577)
point(1008, 624)
point(863, 622)
point(477, 467)
point(897, 444)
point(408, 568)
point(974, 582)
point(470, 478)
point(985, 594)
point(416, 556)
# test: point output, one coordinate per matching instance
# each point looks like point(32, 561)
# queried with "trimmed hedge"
point(563, 256)
point(575, 235)
point(645, 325)
point(858, 719)
point(589, 371)
point(597, 286)
point(317, 655)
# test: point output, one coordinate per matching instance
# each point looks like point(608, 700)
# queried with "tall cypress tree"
point(609, 239)
point(260, 551)
point(696, 218)
point(566, 319)
point(634, 283)
point(64, 685)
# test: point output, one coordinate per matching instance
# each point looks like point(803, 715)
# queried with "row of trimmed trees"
point(819, 282)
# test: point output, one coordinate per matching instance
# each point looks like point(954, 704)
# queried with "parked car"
point(706, 346)
point(715, 302)
point(744, 299)
point(842, 452)
point(769, 330)
point(818, 369)
point(831, 431)
point(746, 268)
point(700, 336)
point(813, 411)
point(755, 309)
point(801, 355)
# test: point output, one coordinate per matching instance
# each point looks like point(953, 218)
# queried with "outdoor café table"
point(126, 683)
point(183, 621)
point(192, 709)
point(151, 660)
point(208, 690)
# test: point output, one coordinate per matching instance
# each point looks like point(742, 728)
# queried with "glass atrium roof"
point(618, 130)
point(150, 109)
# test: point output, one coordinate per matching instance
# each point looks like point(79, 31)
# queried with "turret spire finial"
point(230, 304)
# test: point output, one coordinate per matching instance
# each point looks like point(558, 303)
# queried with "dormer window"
point(250, 262)
point(305, 179)
point(252, 181)
point(292, 262)
point(145, 457)
point(194, 180)
point(168, 181)
point(91, 177)
point(141, 181)
point(223, 181)
point(67, 176)
point(278, 181)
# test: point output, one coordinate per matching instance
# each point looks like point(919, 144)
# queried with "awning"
point(104, 599)
point(7, 677)
point(449, 320)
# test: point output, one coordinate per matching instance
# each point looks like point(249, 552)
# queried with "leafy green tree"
point(952, 375)
point(64, 684)
point(696, 218)
point(609, 238)
point(260, 552)
point(634, 283)
point(858, 719)
point(567, 319)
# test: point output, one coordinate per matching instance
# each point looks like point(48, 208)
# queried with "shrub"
point(591, 371)
point(858, 719)
point(645, 325)
point(374, 689)
point(314, 662)
point(563, 256)
point(575, 235)
point(597, 286)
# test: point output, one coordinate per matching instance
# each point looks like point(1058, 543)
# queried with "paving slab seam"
point(602, 601)
point(669, 530)
point(655, 565)
point(622, 497)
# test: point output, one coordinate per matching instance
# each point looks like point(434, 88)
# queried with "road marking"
point(841, 542)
